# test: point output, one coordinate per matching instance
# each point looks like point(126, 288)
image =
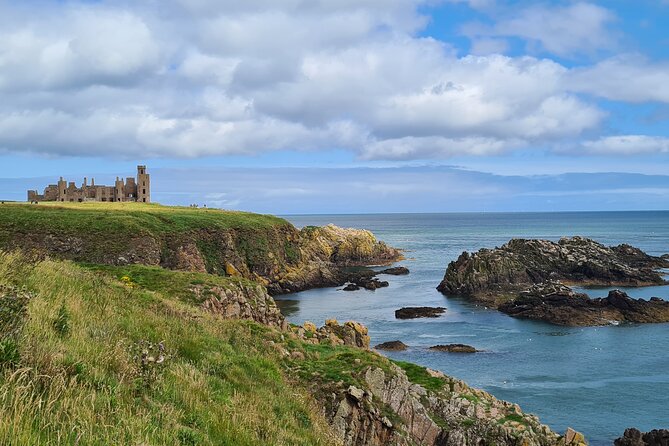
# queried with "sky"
point(301, 106)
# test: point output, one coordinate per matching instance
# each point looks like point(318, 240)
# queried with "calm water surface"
point(598, 380)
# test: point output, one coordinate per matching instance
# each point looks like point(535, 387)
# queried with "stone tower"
point(119, 193)
point(143, 185)
point(62, 192)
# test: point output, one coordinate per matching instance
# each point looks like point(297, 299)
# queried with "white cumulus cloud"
point(202, 77)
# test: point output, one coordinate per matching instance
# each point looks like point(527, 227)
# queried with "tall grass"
point(97, 382)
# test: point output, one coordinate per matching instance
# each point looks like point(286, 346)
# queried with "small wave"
point(430, 336)
point(554, 333)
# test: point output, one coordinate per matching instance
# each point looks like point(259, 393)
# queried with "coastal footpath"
point(128, 347)
point(531, 278)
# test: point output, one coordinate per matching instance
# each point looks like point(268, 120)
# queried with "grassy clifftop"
point(263, 248)
point(125, 218)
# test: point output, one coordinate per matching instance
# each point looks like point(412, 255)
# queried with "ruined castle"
point(131, 189)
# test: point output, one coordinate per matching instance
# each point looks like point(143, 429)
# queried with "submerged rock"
point(496, 275)
point(392, 346)
point(454, 348)
point(351, 287)
point(417, 312)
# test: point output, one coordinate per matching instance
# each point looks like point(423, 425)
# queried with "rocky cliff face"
point(388, 409)
point(244, 301)
point(325, 253)
point(496, 275)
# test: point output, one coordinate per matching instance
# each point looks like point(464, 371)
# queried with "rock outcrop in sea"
point(419, 312)
point(454, 348)
point(494, 275)
point(559, 304)
point(392, 346)
point(529, 278)
point(634, 437)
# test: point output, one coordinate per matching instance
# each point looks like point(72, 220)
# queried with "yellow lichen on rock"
point(230, 270)
point(309, 326)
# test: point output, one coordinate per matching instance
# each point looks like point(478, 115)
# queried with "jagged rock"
point(631, 437)
point(456, 415)
point(417, 312)
point(392, 345)
point(559, 304)
point(572, 437)
point(241, 301)
point(395, 271)
point(309, 326)
point(454, 348)
point(634, 437)
point(327, 255)
point(363, 278)
point(188, 258)
point(355, 393)
point(231, 270)
point(351, 333)
point(496, 275)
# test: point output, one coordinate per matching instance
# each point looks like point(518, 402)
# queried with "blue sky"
point(507, 97)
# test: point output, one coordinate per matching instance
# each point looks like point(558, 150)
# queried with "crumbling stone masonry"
point(132, 189)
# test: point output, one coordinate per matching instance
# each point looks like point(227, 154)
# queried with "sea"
point(597, 380)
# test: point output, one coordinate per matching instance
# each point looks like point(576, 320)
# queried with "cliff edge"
point(262, 248)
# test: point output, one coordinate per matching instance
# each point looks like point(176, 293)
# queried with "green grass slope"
point(83, 366)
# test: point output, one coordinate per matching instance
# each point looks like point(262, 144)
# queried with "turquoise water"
point(598, 380)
